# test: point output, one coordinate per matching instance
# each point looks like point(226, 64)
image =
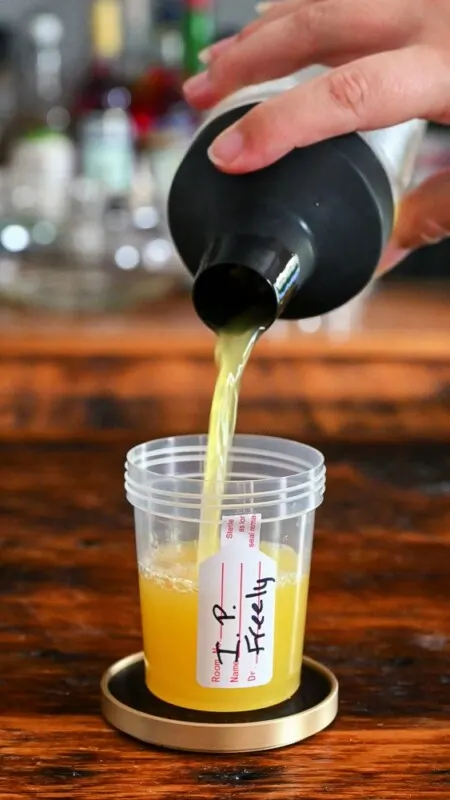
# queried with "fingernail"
point(198, 85)
point(430, 238)
point(261, 8)
point(392, 256)
point(433, 232)
point(227, 147)
point(205, 56)
point(210, 53)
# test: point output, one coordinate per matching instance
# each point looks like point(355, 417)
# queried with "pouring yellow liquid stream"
point(169, 581)
point(233, 350)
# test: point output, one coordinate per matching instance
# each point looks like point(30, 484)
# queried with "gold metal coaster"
point(131, 708)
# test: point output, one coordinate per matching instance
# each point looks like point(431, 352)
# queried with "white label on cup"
point(236, 618)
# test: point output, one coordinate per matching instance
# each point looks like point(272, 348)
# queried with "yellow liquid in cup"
point(169, 609)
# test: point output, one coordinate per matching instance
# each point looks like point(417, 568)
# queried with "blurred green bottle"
point(199, 29)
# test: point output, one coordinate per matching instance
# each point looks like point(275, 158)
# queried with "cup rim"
point(197, 443)
point(304, 467)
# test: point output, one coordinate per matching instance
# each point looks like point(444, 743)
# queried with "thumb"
point(423, 218)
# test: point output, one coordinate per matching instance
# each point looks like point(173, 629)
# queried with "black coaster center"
point(128, 687)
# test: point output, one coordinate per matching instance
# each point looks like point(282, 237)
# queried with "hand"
point(390, 62)
point(424, 218)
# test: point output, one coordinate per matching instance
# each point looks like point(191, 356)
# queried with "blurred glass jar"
point(99, 258)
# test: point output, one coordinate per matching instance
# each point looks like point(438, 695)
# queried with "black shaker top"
point(294, 240)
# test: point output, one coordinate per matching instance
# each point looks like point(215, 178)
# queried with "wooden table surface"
point(379, 617)
point(143, 376)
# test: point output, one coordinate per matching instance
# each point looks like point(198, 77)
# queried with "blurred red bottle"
point(159, 90)
point(182, 29)
point(104, 87)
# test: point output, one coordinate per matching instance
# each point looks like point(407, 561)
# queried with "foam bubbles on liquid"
point(174, 567)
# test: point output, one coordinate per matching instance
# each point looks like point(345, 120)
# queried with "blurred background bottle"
point(104, 85)
point(8, 87)
point(199, 30)
point(40, 151)
point(158, 90)
point(103, 126)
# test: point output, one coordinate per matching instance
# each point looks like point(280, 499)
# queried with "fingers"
point(274, 11)
point(298, 35)
point(272, 7)
point(206, 56)
point(424, 216)
point(374, 92)
point(392, 256)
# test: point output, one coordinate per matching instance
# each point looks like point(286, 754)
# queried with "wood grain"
point(148, 377)
point(378, 617)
